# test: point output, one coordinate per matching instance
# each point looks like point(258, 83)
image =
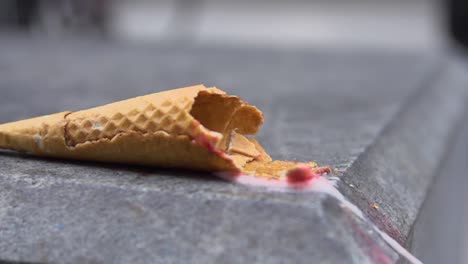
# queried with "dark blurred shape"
point(54, 16)
point(26, 12)
point(68, 17)
point(458, 19)
point(18, 14)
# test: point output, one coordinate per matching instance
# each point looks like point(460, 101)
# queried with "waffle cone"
point(194, 127)
point(184, 128)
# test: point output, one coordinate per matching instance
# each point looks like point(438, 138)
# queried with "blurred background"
point(421, 24)
point(426, 26)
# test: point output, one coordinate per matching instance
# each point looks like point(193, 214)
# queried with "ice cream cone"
point(176, 128)
point(194, 127)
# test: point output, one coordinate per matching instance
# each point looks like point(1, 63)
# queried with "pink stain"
point(301, 173)
point(300, 178)
point(375, 252)
point(209, 144)
point(205, 142)
point(383, 223)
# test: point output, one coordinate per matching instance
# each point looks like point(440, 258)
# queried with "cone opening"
point(214, 111)
point(223, 113)
point(232, 118)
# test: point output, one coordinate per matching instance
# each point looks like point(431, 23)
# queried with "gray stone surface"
point(120, 216)
point(440, 232)
point(400, 163)
point(382, 118)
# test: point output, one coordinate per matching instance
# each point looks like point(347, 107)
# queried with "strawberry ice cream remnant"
point(300, 174)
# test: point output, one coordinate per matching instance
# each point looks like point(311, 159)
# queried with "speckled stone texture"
point(382, 118)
